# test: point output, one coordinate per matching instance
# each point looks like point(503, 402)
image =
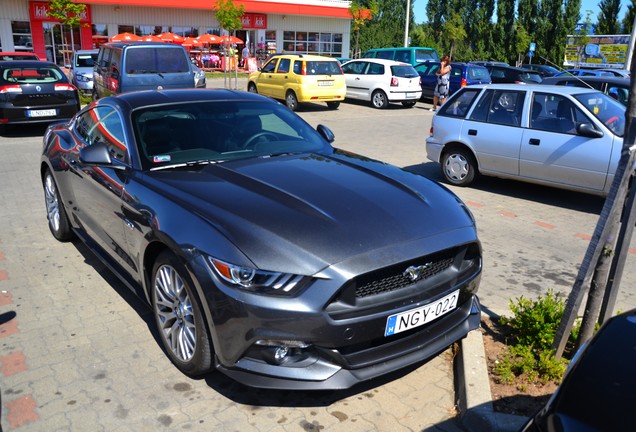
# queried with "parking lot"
point(79, 352)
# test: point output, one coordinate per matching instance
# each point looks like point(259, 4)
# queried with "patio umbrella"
point(151, 38)
point(209, 39)
point(190, 41)
point(231, 39)
point(171, 37)
point(124, 37)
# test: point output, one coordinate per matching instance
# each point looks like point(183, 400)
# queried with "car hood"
point(314, 209)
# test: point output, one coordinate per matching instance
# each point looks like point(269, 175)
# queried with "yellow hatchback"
point(297, 78)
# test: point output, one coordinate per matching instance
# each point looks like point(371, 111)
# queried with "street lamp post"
point(408, 19)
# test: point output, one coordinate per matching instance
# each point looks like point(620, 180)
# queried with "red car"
point(5, 55)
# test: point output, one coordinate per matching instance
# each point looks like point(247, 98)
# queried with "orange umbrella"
point(190, 41)
point(171, 37)
point(209, 39)
point(124, 37)
point(151, 38)
point(231, 39)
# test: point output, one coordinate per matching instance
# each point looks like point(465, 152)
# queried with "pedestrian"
point(244, 56)
point(443, 78)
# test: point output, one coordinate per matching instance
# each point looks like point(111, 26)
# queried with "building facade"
point(310, 26)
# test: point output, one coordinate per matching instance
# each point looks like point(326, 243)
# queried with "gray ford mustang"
point(263, 252)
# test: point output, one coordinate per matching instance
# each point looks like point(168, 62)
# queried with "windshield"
point(609, 111)
point(211, 132)
point(85, 60)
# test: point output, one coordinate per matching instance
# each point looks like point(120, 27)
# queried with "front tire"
point(55, 211)
point(178, 316)
point(459, 167)
point(333, 105)
point(291, 101)
point(251, 87)
point(379, 99)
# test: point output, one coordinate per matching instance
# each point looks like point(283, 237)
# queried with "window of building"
point(155, 30)
point(22, 40)
point(329, 44)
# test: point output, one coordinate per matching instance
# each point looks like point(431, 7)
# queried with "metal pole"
point(408, 19)
point(630, 50)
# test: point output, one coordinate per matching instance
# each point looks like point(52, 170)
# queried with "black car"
point(597, 391)
point(35, 92)
point(512, 75)
point(263, 251)
point(543, 70)
point(616, 87)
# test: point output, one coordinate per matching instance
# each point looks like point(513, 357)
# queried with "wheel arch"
point(456, 145)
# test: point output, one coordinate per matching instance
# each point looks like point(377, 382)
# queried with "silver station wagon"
point(565, 137)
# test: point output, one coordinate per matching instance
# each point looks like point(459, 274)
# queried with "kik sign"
point(254, 21)
point(39, 11)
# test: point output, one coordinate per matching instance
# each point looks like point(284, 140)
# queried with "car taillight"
point(394, 82)
point(519, 82)
point(463, 82)
point(303, 69)
point(64, 87)
point(430, 132)
point(10, 89)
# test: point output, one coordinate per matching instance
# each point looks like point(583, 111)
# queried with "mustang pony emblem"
point(416, 272)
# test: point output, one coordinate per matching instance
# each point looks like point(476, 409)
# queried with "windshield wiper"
point(286, 153)
point(187, 164)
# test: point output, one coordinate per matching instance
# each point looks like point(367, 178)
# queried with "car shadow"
point(23, 130)
point(577, 201)
point(390, 107)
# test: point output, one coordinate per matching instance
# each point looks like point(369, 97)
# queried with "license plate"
point(325, 83)
point(410, 95)
point(41, 113)
point(418, 317)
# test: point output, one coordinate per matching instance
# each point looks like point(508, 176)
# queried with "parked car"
point(584, 72)
point(597, 391)
point(410, 55)
point(618, 88)
point(262, 251)
point(462, 74)
point(35, 92)
point(199, 77)
point(382, 82)
point(512, 75)
point(21, 55)
point(543, 70)
point(81, 70)
point(134, 66)
point(566, 137)
point(621, 73)
point(299, 78)
point(488, 63)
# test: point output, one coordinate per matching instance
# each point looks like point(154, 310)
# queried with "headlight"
point(83, 78)
point(258, 281)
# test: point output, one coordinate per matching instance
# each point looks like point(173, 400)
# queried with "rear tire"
point(180, 322)
point(333, 105)
point(459, 167)
point(409, 104)
point(291, 101)
point(379, 99)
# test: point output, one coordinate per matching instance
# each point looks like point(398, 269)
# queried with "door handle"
point(472, 132)
point(535, 141)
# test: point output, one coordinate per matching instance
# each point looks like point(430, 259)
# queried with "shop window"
point(329, 44)
point(21, 36)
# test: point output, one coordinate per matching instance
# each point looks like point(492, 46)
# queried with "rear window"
point(404, 71)
point(156, 60)
point(32, 75)
point(424, 55)
point(323, 68)
point(531, 77)
point(18, 57)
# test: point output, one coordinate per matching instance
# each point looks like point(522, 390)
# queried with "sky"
point(419, 9)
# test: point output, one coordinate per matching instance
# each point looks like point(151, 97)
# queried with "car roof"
point(312, 57)
point(383, 61)
point(608, 79)
point(29, 53)
point(140, 43)
point(535, 87)
point(91, 51)
point(26, 63)
point(134, 100)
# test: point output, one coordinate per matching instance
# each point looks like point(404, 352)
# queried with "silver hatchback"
point(81, 70)
point(566, 137)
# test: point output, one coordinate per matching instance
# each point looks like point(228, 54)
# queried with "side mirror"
point(97, 154)
point(326, 133)
point(588, 130)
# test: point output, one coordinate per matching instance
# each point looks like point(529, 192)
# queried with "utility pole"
point(408, 19)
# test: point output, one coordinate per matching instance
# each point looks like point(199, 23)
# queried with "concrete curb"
point(474, 398)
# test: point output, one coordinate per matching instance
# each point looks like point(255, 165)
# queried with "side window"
point(354, 68)
point(403, 56)
point(109, 131)
point(85, 124)
point(431, 71)
point(555, 113)
point(618, 93)
point(388, 55)
point(298, 67)
point(375, 69)
point(115, 61)
point(283, 65)
point(456, 72)
point(501, 107)
point(459, 104)
point(270, 66)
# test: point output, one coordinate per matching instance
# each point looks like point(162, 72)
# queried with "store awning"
point(250, 6)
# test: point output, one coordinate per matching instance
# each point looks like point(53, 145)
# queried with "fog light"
point(280, 353)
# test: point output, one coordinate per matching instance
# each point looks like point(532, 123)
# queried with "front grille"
point(397, 278)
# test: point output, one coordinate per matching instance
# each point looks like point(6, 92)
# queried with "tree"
point(522, 43)
point(386, 28)
point(608, 17)
point(504, 31)
point(69, 14)
point(229, 17)
point(454, 31)
point(628, 20)
point(361, 12)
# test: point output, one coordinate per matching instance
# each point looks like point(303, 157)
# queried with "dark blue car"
point(462, 74)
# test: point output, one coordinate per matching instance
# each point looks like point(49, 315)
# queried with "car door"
point(493, 130)
point(98, 190)
point(280, 80)
point(552, 151)
point(265, 80)
point(428, 78)
point(354, 77)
